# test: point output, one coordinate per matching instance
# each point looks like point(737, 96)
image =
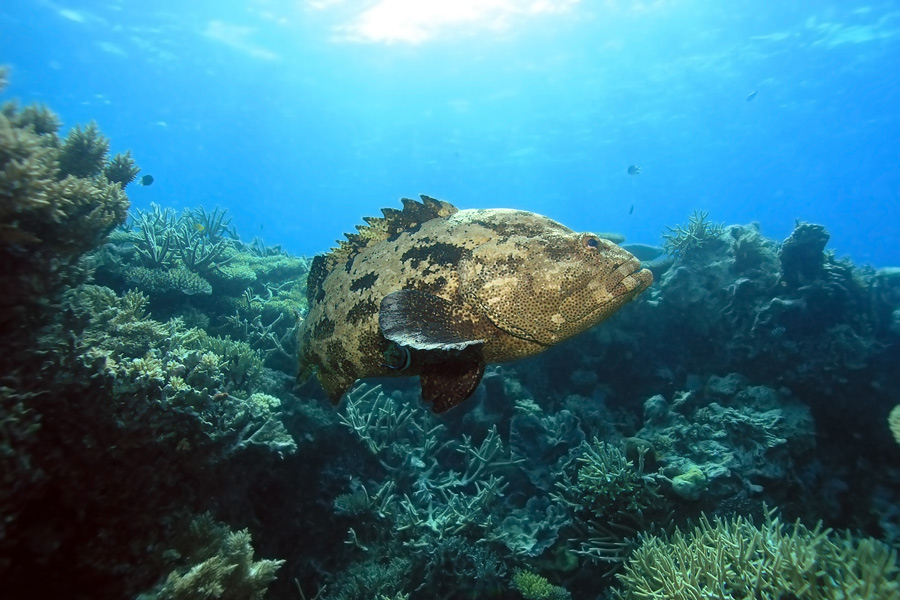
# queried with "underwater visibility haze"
point(632, 331)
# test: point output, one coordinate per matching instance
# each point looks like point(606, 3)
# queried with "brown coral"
point(49, 215)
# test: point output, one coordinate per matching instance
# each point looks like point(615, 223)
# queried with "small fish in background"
point(751, 96)
point(199, 227)
point(634, 170)
point(145, 180)
point(631, 210)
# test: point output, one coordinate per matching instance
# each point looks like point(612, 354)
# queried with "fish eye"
point(591, 242)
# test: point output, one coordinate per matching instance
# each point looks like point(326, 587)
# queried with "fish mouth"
point(628, 278)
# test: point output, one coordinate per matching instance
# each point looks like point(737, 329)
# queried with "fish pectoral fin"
point(447, 383)
point(423, 321)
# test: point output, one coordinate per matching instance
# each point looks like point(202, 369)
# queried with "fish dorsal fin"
point(393, 223)
point(315, 280)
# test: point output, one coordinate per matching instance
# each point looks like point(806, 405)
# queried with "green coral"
point(694, 240)
point(163, 281)
point(612, 498)
point(217, 563)
point(606, 483)
point(733, 559)
point(690, 484)
point(252, 293)
point(535, 587)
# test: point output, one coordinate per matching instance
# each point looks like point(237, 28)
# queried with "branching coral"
point(152, 235)
point(442, 500)
point(693, 240)
point(184, 370)
point(55, 205)
point(611, 497)
point(83, 154)
point(736, 559)
point(213, 225)
point(36, 117)
point(193, 240)
point(217, 563)
point(199, 252)
point(121, 169)
point(606, 483)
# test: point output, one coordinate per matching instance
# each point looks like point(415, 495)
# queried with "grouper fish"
point(439, 292)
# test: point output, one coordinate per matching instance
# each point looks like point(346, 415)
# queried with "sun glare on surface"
point(418, 21)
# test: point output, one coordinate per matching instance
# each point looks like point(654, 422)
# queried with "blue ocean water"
point(302, 117)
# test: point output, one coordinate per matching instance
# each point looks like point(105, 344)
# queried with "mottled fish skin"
point(488, 285)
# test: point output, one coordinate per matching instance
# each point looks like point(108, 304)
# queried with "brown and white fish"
point(439, 292)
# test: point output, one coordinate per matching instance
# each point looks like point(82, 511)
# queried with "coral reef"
point(729, 439)
point(447, 520)
point(149, 422)
point(735, 559)
point(56, 205)
point(534, 587)
point(216, 563)
point(694, 240)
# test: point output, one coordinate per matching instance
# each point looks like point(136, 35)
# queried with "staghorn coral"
point(606, 483)
point(611, 497)
point(152, 233)
point(736, 559)
point(227, 287)
point(695, 240)
point(199, 252)
point(213, 225)
point(375, 577)
point(441, 504)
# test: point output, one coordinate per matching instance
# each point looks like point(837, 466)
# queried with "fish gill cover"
point(153, 441)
